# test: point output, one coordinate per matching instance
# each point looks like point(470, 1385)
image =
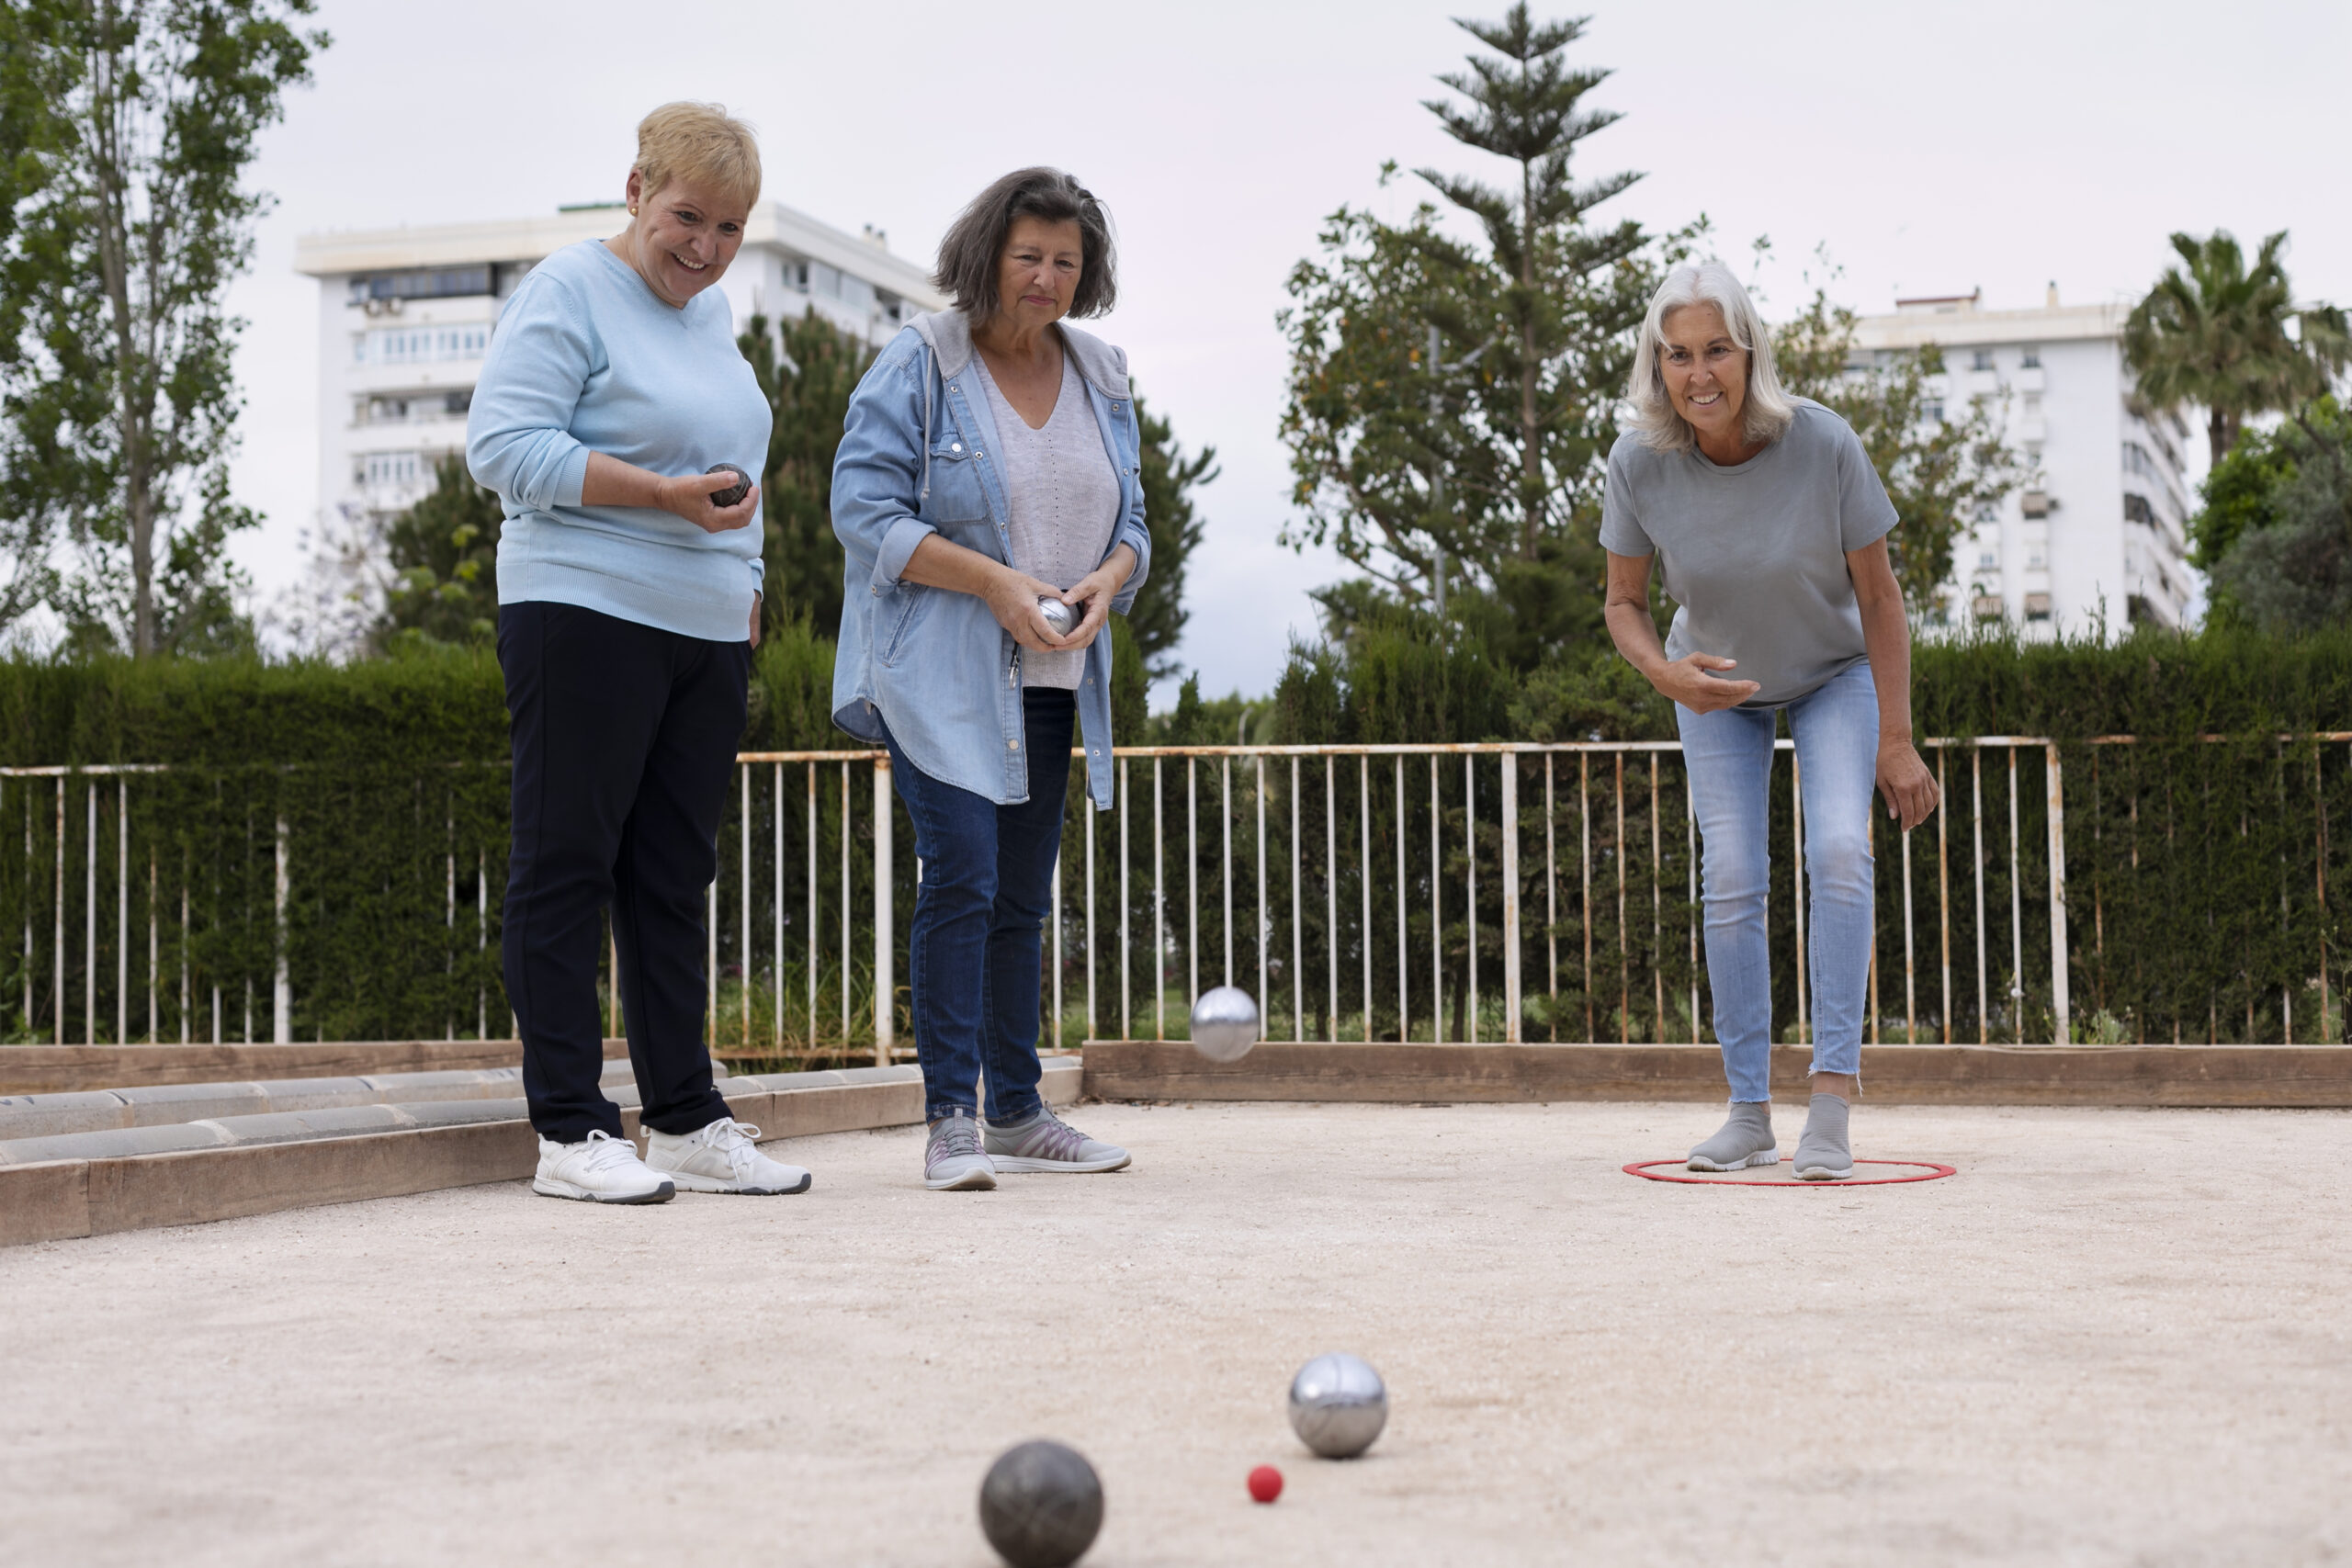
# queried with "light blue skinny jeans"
point(1729, 753)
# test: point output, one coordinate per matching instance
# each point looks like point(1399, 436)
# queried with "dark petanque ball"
point(1041, 1505)
point(729, 497)
point(1058, 616)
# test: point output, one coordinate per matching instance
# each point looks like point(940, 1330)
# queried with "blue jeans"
point(1729, 753)
point(975, 955)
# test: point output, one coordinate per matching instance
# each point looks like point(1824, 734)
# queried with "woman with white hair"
point(1770, 527)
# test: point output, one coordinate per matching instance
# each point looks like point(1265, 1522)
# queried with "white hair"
point(1766, 411)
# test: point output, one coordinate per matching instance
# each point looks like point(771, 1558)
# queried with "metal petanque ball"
point(723, 499)
point(1058, 616)
point(1041, 1505)
point(1337, 1405)
point(1225, 1023)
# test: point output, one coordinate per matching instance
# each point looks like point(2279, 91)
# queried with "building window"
point(2037, 606)
point(384, 470)
point(2032, 360)
point(1932, 410)
point(421, 345)
point(2137, 510)
point(2037, 559)
point(459, 403)
point(1983, 360)
point(422, 283)
point(1988, 607)
point(2034, 503)
point(1987, 559)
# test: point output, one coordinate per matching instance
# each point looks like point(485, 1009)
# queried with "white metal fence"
point(1441, 893)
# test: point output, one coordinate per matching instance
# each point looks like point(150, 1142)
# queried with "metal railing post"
point(282, 989)
point(1511, 898)
point(885, 981)
point(2058, 965)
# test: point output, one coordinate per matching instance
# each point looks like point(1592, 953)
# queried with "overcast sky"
point(1933, 148)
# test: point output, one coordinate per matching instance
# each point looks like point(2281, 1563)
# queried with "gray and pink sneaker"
point(1044, 1142)
point(953, 1160)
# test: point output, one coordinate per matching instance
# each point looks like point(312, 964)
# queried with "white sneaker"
point(721, 1157)
point(600, 1169)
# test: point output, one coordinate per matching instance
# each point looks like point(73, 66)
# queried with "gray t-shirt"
point(1755, 555)
point(1065, 498)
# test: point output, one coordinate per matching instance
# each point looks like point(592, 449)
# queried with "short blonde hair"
point(1766, 411)
point(698, 142)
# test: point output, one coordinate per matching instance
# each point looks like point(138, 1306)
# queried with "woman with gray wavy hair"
point(1770, 525)
point(988, 497)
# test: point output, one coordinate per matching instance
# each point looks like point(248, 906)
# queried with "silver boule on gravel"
point(1041, 1505)
point(1337, 1405)
point(1058, 616)
point(1225, 1023)
point(723, 499)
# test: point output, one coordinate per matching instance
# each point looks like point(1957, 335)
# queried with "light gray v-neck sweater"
point(1064, 496)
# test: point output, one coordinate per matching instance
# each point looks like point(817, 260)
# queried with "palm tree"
point(2218, 334)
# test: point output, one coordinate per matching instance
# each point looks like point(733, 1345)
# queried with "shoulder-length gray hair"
point(1766, 411)
point(968, 256)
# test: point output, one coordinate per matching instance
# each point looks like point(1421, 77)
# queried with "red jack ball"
point(1265, 1483)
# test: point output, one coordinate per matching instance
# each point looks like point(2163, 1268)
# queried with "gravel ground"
point(2116, 1336)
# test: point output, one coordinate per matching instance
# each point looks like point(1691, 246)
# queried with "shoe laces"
point(605, 1150)
point(1062, 1141)
point(734, 1139)
point(956, 1136)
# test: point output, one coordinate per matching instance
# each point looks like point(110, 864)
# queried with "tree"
point(131, 223)
point(807, 371)
point(1455, 401)
point(1157, 623)
point(1942, 466)
point(1560, 303)
point(444, 558)
point(2230, 337)
point(2276, 525)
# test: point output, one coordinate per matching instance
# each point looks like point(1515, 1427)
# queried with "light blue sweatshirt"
point(587, 358)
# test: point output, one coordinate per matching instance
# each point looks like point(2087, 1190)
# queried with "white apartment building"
point(405, 314)
point(2101, 531)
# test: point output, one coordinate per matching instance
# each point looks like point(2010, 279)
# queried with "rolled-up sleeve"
point(877, 471)
point(518, 433)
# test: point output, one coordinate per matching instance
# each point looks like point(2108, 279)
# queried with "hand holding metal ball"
point(723, 499)
point(1061, 618)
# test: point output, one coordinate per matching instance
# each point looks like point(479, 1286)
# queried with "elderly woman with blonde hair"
point(619, 425)
point(1770, 525)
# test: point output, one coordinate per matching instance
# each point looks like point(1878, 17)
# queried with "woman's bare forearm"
point(1887, 636)
point(1635, 635)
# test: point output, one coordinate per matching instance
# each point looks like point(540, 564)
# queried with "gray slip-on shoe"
point(953, 1160)
point(1825, 1151)
point(1745, 1139)
point(1044, 1142)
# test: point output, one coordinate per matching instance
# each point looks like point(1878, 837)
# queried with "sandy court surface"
point(2114, 1338)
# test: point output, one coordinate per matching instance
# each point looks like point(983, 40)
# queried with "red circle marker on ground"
point(1928, 1171)
point(1265, 1483)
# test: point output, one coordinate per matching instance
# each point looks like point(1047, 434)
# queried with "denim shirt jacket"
point(914, 462)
